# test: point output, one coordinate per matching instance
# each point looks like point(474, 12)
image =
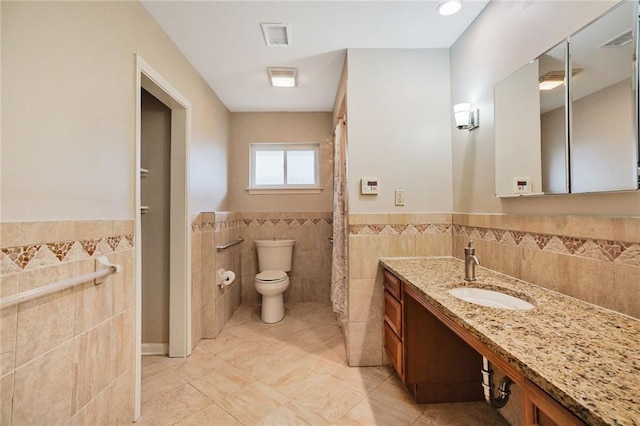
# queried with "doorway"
point(179, 227)
point(155, 193)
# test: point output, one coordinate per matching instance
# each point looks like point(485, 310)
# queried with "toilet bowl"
point(271, 285)
point(274, 261)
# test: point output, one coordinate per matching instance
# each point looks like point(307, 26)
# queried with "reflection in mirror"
point(517, 132)
point(553, 131)
point(530, 116)
point(603, 132)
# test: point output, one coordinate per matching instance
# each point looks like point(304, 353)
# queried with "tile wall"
point(595, 259)
point(372, 236)
point(310, 277)
point(67, 358)
point(215, 305)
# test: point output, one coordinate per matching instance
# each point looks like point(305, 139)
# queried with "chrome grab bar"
point(98, 277)
point(232, 243)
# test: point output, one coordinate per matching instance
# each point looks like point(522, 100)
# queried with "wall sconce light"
point(466, 118)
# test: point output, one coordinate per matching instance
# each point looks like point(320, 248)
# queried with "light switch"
point(399, 197)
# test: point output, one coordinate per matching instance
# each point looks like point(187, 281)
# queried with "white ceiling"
point(223, 41)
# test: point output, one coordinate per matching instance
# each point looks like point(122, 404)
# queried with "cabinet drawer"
point(393, 348)
point(392, 284)
point(393, 313)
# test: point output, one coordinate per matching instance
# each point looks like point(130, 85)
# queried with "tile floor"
point(290, 373)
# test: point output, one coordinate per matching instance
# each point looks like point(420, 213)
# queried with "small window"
point(285, 166)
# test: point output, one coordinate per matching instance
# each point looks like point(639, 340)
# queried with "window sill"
point(287, 191)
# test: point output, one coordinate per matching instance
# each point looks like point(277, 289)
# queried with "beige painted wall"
point(68, 109)
point(504, 37)
point(399, 129)
point(249, 127)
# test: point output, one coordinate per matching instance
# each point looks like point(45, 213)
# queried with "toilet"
point(274, 261)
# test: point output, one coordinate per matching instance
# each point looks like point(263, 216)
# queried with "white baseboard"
point(154, 349)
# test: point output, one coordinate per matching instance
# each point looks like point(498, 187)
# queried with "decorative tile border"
point(16, 259)
point(600, 249)
point(206, 222)
point(287, 221)
point(420, 229)
point(605, 250)
point(214, 226)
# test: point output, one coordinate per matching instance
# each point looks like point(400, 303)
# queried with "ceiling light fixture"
point(550, 81)
point(449, 7)
point(283, 77)
point(553, 79)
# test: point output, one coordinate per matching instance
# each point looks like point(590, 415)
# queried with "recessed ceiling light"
point(449, 7)
point(283, 77)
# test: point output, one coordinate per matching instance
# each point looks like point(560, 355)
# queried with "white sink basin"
point(490, 298)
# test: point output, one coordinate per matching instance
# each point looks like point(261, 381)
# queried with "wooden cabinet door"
point(393, 348)
point(540, 409)
point(393, 313)
point(393, 285)
point(439, 365)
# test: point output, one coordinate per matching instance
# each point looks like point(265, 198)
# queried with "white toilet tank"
point(275, 255)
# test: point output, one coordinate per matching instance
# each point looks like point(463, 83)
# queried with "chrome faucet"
point(470, 262)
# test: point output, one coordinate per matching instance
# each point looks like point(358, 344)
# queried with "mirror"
point(517, 132)
point(547, 145)
point(603, 139)
point(553, 113)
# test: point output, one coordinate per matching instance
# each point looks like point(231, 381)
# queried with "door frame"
point(180, 221)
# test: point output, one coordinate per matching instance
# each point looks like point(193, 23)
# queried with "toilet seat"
point(271, 277)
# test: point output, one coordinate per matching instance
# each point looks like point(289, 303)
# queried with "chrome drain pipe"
point(504, 388)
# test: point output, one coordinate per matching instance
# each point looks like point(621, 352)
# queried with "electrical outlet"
point(399, 197)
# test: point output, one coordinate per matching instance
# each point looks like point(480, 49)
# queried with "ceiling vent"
point(276, 35)
point(619, 41)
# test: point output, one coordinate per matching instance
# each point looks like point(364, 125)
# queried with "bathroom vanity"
point(435, 364)
point(575, 363)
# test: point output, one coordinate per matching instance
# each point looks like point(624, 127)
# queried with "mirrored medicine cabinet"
point(567, 122)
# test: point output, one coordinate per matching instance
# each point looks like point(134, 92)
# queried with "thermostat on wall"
point(369, 186)
point(522, 185)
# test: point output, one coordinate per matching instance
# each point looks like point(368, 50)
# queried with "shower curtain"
point(339, 257)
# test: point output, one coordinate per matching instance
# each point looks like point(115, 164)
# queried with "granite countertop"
point(586, 357)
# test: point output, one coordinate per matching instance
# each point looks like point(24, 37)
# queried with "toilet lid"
point(271, 276)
